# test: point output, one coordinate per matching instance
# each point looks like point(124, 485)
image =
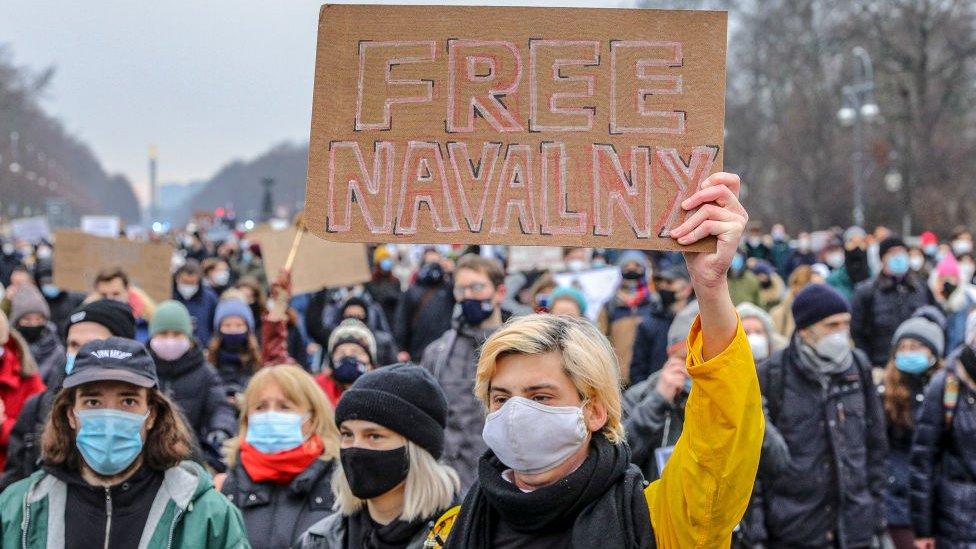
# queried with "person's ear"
point(595, 414)
point(500, 292)
point(151, 420)
point(72, 419)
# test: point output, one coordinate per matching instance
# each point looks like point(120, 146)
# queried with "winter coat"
point(943, 465)
point(62, 305)
point(330, 533)
point(745, 288)
point(839, 280)
point(651, 422)
point(24, 443)
point(650, 350)
point(453, 360)
point(186, 512)
point(780, 255)
point(957, 309)
point(276, 515)
point(201, 307)
point(7, 265)
point(899, 452)
point(19, 380)
point(782, 316)
point(386, 292)
point(879, 307)
point(198, 389)
point(773, 295)
point(322, 315)
point(832, 490)
point(424, 314)
point(619, 321)
point(709, 477)
point(48, 352)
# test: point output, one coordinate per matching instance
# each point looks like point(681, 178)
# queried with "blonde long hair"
point(587, 356)
point(299, 387)
point(428, 489)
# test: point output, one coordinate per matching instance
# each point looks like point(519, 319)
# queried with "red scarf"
point(280, 467)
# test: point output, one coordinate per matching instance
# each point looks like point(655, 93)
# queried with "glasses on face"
point(476, 289)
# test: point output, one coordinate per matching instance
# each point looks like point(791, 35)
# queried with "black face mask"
point(31, 333)
point(668, 297)
point(766, 284)
point(948, 289)
point(372, 473)
point(633, 275)
point(430, 274)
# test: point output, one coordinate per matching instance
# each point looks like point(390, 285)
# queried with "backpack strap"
point(950, 396)
point(441, 528)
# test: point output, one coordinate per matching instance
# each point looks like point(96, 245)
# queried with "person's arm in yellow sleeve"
point(708, 481)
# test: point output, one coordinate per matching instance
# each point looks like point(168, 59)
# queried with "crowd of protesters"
point(452, 401)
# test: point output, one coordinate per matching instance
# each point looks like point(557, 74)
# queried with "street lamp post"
point(859, 109)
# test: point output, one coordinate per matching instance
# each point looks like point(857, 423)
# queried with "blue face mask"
point(50, 291)
point(109, 440)
point(898, 264)
point(386, 265)
point(738, 262)
point(476, 311)
point(272, 432)
point(912, 362)
point(348, 369)
point(69, 364)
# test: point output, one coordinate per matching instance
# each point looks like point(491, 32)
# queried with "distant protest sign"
point(79, 257)
point(597, 285)
point(523, 126)
point(318, 263)
point(527, 258)
point(31, 229)
point(109, 226)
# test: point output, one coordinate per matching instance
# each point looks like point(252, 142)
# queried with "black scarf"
point(968, 360)
point(602, 502)
point(363, 532)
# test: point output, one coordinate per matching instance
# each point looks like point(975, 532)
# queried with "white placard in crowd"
point(526, 258)
point(31, 229)
point(598, 286)
point(107, 226)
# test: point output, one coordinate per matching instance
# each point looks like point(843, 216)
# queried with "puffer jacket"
point(186, 512)
point(19, 380)
point(943, 465)
point(831, 493)
point(879, 307)
point(48, 352)
point(276, 515)
point(198, 389)
point(330, 533)
point(453, 360)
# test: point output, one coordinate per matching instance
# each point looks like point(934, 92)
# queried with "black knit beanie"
point(115, 316)
point(817, 302)
point(404, 398)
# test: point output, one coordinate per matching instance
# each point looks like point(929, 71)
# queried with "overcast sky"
point(206, 81)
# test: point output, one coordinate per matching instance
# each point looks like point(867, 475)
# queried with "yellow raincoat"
point(708, 481)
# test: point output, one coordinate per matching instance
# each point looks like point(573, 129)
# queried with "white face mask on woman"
point(533, 438)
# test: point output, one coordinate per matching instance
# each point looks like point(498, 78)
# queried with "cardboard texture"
point(524, 126)
point(79, 256)
point(318, 263)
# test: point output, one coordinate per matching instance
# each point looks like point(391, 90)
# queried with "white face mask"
point(533, 438)
point(576, 265)
point(220, 278)
point(916, 262)
point(759, 345)
point(962, 247)
point(835, 260)
point(186, 290)
point(834, 347)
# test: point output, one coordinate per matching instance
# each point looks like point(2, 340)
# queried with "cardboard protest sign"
point(524, 126)
point(318, 263)
point(108, 226)
point(527, 258)
point(31, 229)
point(79, 257)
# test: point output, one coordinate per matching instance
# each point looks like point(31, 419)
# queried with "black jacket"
point(943, 466)
point(423, 316)
point(879, 307)
point(831, 492)
point(899, 451)
point(62, 305)
point(276, 515)
point(650, 344)
point(199, 391)
point(386, 292)
point(322, 315)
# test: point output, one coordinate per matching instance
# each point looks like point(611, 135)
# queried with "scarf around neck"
point(602, 502)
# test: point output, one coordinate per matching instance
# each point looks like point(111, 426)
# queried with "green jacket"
point(187, 512)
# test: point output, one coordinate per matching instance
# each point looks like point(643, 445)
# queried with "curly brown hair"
point(167, 443)
point(897, 396)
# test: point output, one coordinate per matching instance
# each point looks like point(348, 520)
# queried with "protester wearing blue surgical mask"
point(916, 354)
point(479, 290)
point(879, 306)
point(115, 450)
point(281, 465)
point(352, 348)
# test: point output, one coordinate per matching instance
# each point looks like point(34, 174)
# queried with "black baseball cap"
point(113, 359)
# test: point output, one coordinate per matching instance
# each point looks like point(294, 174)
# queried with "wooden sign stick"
point(294, 249)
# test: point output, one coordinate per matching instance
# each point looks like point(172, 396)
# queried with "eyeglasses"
point(477, 288)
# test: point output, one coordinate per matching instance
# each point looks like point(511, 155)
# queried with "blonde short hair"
point(429, 488)
point(299, 387)
point(588, 360)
